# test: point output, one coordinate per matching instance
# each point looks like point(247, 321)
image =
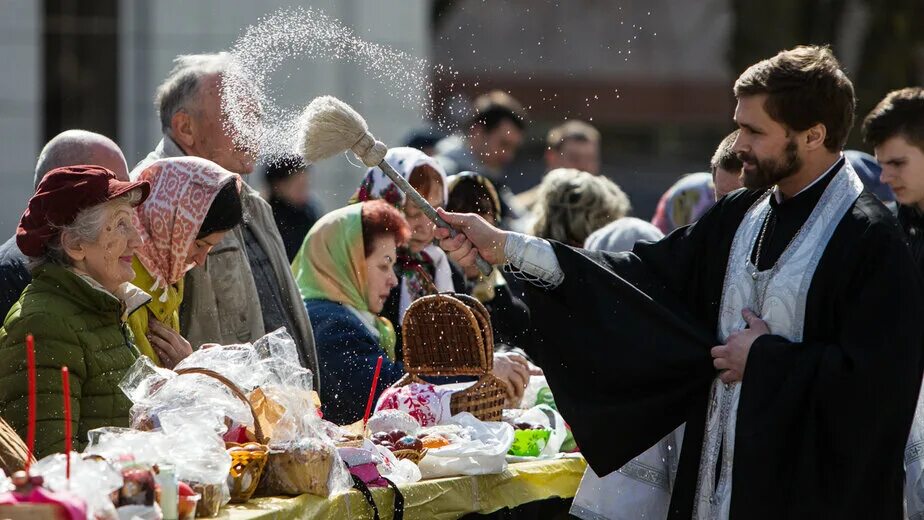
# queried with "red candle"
point(375, 383)
point(30, 365)
point(68, 445)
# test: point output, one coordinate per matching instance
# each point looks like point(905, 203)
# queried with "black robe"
point(625, 343)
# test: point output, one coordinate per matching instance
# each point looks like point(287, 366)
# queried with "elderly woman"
point(573, 204)
point(345, 271)
point(193, 203)
point(78, 232)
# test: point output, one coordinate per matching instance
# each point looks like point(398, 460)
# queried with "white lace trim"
point(785, 293)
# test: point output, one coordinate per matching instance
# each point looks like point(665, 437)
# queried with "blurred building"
point(655, 76)
point(95, 65)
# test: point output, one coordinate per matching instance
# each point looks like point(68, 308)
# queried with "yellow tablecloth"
point(439, 499)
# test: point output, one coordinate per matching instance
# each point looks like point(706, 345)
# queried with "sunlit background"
point(654, 76)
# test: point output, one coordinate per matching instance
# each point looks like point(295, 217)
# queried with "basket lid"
point(444, 337)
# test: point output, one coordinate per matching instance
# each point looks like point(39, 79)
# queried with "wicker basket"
point(246, 465)
point(450, 335)
point(13, 451)
point(295, 469)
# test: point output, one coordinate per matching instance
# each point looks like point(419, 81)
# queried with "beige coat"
point(220, 304)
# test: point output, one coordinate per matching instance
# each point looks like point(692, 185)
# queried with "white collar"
point(131, 296)
point(776, 189)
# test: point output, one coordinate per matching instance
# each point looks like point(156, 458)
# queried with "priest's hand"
point(731, 358)
point(476, 236)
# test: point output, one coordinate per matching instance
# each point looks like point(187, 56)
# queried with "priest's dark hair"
point(724, 156)
point(225, 213)
point(901, 112)
point(804, 86)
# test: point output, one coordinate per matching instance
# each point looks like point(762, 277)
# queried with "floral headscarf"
point(684, 202)
point(331, 265)
point(377, 185)
point(182, 191)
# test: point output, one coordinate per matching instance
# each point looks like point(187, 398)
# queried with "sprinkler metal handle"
point(428, 210)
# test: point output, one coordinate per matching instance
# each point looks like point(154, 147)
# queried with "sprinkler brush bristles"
point(329, 127)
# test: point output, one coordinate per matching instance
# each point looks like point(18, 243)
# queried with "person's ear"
point(182, 128)
point(815, 137)
point(73, 248)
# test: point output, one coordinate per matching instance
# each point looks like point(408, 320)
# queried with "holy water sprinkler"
point(330, 127)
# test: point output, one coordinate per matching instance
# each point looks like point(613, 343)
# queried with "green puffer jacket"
point(77, 324)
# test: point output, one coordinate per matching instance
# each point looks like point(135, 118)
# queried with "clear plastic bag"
point(550, 420)
point(478, 448)
point(197, 451)
point(272, 361)
point(397, 470)
point(113, 444)
point(92, 480)
point(143, 379)
point(155, 391)
point(189, 439)
point(303, 457)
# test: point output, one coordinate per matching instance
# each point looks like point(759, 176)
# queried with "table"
point(439, 499)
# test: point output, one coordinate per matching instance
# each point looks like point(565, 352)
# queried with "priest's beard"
point(768, 172)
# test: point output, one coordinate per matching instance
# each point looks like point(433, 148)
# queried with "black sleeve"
point(624, 357)
point(509, 317)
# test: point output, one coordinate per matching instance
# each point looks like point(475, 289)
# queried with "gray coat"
point(220, 300)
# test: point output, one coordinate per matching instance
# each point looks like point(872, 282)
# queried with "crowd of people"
point(180, 252)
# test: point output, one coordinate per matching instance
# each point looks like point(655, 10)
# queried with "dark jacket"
point(912, 222)
point(14, 275)
point(347, 355)
point(76, 325)
point(509, 315)
point(293, 222)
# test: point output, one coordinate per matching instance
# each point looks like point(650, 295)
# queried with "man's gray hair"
point(71, 148)
point(180, 90)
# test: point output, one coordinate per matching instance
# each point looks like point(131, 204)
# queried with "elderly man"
point(69, 148)
point(246, 288)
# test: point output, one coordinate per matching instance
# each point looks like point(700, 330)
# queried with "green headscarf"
point(331, 265)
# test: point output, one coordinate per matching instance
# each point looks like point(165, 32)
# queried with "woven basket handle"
point(257, 429)
point(486, 360)
point(487, 333)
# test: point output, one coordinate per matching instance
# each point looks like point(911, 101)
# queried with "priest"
point(784, 328)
